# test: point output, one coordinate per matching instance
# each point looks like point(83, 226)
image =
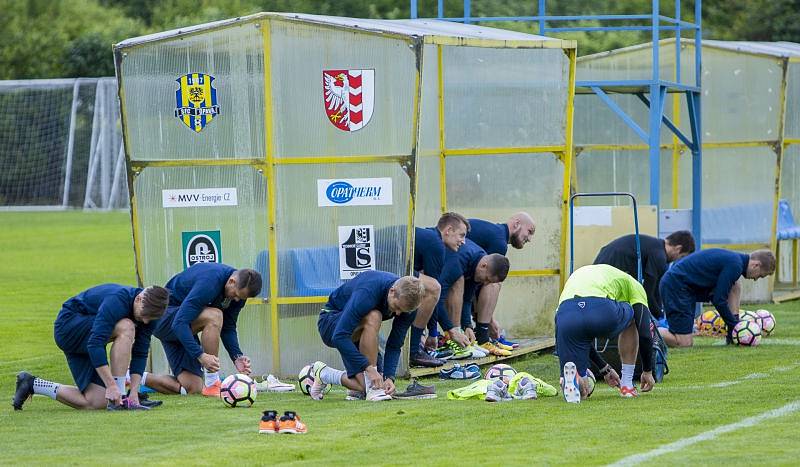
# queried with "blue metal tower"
point(652, 92)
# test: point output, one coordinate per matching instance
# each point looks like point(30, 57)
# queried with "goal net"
point(61, 145)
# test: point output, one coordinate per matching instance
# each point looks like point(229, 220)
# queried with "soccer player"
point(350, 322)
point(205, 298)
point(462, 275)
point(429, 254)
point(87, 322)
point(601, 301)
point(495, 238)
point(655, 254)
point(708, 275)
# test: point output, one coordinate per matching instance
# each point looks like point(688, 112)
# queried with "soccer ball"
point(747, 333)
point(748, 315)
point(767, 322)
point(306, 378)
point(501, 371)
point(590, 382)
point(710, 323)
point(238, 391)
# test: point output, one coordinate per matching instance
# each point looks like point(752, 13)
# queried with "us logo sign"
point(196, 100)
point(356, 250)
point(348, 97)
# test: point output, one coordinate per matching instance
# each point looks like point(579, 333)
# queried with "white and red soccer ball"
point(746, 333)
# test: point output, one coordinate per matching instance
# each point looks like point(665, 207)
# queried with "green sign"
point(201, 247)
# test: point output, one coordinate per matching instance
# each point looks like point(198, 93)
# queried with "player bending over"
point(87, 322)
point(350, 322)
point(708, 275)
point(602, 301)
point(205, 298)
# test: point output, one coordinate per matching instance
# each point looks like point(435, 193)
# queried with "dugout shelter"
point(293, 144)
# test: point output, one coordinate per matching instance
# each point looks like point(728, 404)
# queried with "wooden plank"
point(785, 296)
point(526, 346)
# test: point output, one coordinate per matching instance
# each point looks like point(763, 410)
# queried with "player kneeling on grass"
point(598, 301)
point(87, 322)
point(205, 298)
point(350, 322)
point(708, 275)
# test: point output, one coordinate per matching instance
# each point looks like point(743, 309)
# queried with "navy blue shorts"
point(679, 303)
point(326, 323)
point(179, 360)
point(71, 332)
point(580, 320)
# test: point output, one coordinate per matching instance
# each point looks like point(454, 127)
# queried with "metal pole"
point(678, 41)
point(70, 144)
point(467, 11)
point(117, 176)
point(414, 12)
point(541, 15)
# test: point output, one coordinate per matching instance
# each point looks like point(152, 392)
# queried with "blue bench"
point(308, 272)
point(744, 223)
point(788, 230)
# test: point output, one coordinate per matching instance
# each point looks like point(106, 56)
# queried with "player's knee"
point(124, 329)
point(685, 341)
point(211, 317)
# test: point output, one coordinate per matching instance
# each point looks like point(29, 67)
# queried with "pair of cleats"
point(126, 404)
point(415, 390)
point(468, 372)
point(570, 385)
point(289, 423)
point(317, 388)
point(506, 342)
point(421, 358)
point(498, 391)
point(493, 348)
point(272, 384)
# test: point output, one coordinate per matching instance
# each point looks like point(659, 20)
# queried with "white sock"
point(128, 377)
point(120, 380)
point(45, 388)
point(627, 375)
point(144, 378)
point(183, 391)
point(211, 378)
point(331, 375)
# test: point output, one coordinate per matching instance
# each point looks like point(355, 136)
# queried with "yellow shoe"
point(502, 346)
point(213, 390)
point(495, 350)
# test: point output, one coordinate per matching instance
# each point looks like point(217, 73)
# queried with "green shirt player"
point(601, 301)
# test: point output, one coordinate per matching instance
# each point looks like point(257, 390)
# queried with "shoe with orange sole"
point(626, 391)
point(269, 423)
point(290, 423)
point(213, 390)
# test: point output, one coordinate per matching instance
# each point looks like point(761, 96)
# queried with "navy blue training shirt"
point(111, 303)
point(201, 286)
point(457, 264)
point(493, 238)
point(710, 275)
point(429, 251)
point(356, 298)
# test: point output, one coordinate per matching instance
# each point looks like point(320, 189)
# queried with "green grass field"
point(50, 256)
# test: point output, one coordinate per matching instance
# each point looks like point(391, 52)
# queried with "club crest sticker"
point(348, 97)
point(196, 100)
point(356, 250)
point(201, 247)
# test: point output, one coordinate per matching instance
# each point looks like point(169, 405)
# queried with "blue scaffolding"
point(652, 92)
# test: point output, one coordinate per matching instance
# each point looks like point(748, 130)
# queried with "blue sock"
point(416, 339)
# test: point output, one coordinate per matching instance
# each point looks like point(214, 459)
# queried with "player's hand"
point(242, 365)
point(209, 362)
point(375, 378)
point(388, 386)
point(113, 395)
point(612, 378)
point(133, 397)
point(459, 337)
point(470, 335)
point(647, 381)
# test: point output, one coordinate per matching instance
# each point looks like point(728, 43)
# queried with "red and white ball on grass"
point(747, 333)
point(238, 391)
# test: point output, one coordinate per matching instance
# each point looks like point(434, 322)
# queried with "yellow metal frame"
point(569, 160)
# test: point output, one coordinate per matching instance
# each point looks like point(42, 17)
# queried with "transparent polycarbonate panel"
point(626, 171)
point(596, 123)
point(233, 57)
point(526, 307)
point(684, 171)
point(429, 105)
point(241, 227)
point(495, 187)
point(308, 232)
point(301, 343)
point(504, 97)
point(300, 55)
point(631, 64)
point(790, 178)
point(255, 340)
point(428, 205)
point(792, 129)
point(737, 176)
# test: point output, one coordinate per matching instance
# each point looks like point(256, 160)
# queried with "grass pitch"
point(52, 256)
